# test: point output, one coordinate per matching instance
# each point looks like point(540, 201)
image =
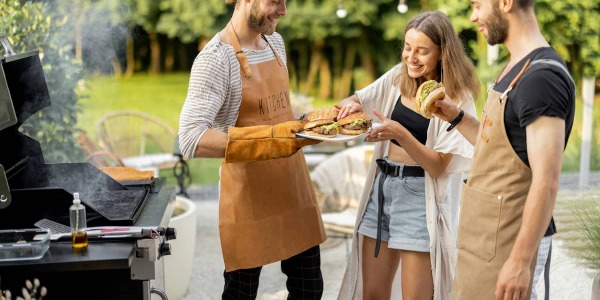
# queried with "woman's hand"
point(387, 130)
point(348, 106)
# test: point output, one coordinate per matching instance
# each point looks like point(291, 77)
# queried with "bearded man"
point(238, 108)
point(508, 199)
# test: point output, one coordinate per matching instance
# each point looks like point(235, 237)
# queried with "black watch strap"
point(456, 120)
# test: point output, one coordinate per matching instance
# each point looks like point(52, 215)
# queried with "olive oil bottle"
point(79, 236)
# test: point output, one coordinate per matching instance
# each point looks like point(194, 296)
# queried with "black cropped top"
point(415, 123)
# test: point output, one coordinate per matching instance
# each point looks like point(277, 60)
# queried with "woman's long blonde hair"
point(457, 69)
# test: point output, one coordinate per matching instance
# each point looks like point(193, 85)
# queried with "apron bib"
point(492, 205)
point(267, 210)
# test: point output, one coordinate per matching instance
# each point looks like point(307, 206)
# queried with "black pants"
point(303, 271)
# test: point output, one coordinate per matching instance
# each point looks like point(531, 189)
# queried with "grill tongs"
point(59, 232)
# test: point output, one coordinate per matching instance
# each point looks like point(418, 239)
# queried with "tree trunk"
point(324, 79)
point(170, 55)
point(302, 67)
point(201, 43)
point(291, 66)
point(346, 81)
point(78, 42)
point(315, 62)
point(338, 66)
point(130, 54)
point(183, 61)
point(116, 64)
point(574, 65)
point(366, 60)
point(154, 53)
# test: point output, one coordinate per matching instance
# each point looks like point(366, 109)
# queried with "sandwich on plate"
point(355, 123)
point(322, 122)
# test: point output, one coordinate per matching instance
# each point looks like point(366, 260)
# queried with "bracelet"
point(456, 120)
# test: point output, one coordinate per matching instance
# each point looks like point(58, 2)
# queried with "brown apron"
point(492, 205)
point(268, 210)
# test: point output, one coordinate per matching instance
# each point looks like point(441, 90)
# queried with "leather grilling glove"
point(264, 142)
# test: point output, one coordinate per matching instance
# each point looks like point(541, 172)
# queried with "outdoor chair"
point(143, 142)
point(140, 140)
point(95, 156)
point(339, 182)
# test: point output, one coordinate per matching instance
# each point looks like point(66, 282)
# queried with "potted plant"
point(178, 265)
point(586, 214)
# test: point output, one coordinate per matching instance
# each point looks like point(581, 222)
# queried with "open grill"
point(31, 189)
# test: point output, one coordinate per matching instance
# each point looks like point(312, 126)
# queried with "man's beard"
point(258, 21)
point(497, 27)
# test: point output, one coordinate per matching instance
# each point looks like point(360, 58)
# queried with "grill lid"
point(30, 189)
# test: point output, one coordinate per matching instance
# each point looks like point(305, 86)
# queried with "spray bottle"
point(78, 223)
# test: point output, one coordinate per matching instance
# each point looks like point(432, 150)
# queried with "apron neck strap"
point(238, 51)
point(272, 49)
point(514, 81)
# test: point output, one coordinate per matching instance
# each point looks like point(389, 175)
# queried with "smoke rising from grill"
point(54, 125)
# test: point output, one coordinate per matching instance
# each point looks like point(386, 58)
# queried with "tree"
point(569, 28)
point(185, 21)
point(146, 13)
point(122, 19)
point(37, 26)
point(323, 49)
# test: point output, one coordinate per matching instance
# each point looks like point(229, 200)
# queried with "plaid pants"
point(543, 252)
point(304, 279)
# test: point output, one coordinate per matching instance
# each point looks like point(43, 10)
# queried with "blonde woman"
point(416, 172)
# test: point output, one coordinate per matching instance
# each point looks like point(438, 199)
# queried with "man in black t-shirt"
point(544, 90)
point(537, 96)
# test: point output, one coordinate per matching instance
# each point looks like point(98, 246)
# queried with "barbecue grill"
point(41, 188)
point(32, 190)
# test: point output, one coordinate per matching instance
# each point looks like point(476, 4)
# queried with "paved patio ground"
point(568, 279)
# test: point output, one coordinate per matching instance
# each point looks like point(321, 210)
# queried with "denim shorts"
point(404, 225)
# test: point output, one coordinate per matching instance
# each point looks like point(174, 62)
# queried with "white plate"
point(338, 138)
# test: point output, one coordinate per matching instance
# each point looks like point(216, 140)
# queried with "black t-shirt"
point(413, 122)
point(543, 90)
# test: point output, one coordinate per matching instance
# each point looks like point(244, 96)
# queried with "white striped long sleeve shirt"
point(215, 89)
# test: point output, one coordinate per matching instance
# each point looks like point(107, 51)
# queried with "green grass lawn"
point(163, 97)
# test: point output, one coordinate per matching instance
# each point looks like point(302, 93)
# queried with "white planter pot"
point(178, 265)
point(596, 288)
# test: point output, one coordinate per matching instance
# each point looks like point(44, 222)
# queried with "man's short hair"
point(522, 4)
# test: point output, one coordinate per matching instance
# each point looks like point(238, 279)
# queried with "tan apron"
point(268, 210)
point(492, 205)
